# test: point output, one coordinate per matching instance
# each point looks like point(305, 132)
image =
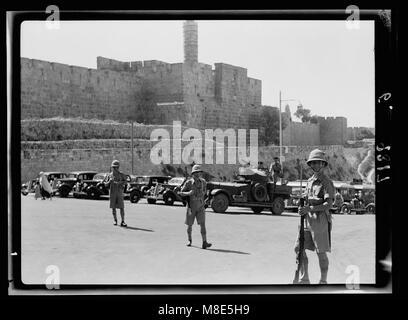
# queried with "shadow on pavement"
point(166, 205)
point(250, 213)
point(102, 198)
point(138, 229)
point(222, 250)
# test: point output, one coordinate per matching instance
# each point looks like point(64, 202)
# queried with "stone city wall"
point(97, 154)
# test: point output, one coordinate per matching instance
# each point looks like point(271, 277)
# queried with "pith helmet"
point(317, 155)
point(196, 168)
point(115, 163)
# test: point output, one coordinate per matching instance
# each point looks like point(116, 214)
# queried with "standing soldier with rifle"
point(317, 219)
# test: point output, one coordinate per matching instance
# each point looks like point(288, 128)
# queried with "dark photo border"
point(385, 67)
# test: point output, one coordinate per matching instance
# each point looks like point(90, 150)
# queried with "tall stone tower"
point(190, 41)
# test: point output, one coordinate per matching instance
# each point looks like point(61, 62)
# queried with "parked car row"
point(252, 190)
point(90, 184)
point(29, 186)
point(357, 197)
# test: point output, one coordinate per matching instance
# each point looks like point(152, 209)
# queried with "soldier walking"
point(195, 188)
point(319, 199)
point(116, 180)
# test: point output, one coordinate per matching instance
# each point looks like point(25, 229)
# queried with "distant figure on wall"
point(276, 170)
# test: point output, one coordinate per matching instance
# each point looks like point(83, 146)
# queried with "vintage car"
point(298, 188)
point(29, 186)
point(94, 188)
point(91, 188)
point(66, 185)
point(364, 202)
point(138, 188)
point(253, 189)
point(167, 192)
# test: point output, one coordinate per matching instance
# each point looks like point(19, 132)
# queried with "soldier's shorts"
point(116, 201)
point(194, 213)
point(315, 241)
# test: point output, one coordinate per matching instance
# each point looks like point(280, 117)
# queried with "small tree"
point(303, 114)
point(144, 104)
point(270, 121)
point(141, 110)
point(365, 134)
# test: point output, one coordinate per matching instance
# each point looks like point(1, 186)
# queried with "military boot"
point(206, 245)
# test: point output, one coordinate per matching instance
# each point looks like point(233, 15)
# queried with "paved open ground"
point(77, 236)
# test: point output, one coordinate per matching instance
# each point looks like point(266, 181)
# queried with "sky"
point(324, 65)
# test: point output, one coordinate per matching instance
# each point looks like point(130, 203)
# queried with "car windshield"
point(176, 181)
point(99, 176)
point(142, 180)
point(72, 175)
point(56, 175)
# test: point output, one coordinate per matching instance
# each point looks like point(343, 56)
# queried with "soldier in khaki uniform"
point(276, 170)
point(319, 199)
point(195, 188)
point(116, 182)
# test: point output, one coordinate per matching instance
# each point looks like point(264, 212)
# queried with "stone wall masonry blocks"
point(98, 154)
point(222, 97)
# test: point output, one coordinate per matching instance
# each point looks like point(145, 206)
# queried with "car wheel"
point(278, 206)
point(257, 210)
point(345, 209)
point(371, 208)
point(151, 201)
point(93, 194)
point(259, 192)
point(64, 192)
point(220, 203)
point(169, 199)
point(134, 196)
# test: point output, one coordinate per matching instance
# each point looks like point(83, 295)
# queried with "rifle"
point(179, 188)
point(299, 255)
